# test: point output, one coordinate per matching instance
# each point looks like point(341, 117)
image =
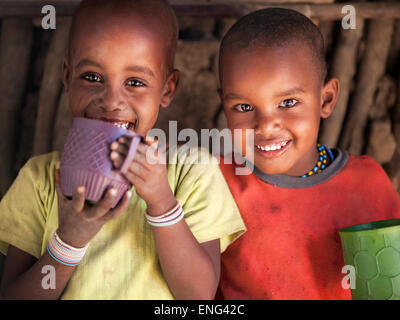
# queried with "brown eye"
point(135, 83)
point(288, 103)
point(243, 107)
point(92, 77)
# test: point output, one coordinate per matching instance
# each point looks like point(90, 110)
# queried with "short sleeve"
point(210, 210)
point(23, 209)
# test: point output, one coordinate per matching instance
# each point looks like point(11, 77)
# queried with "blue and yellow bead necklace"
point(322, 163)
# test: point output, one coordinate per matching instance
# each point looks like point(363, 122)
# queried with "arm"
point(191, 269)
point(78, 224)
point(22, 276)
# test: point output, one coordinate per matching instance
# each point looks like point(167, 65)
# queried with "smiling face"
point(278, 92)
point(118, 69)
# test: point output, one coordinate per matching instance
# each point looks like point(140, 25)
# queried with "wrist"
point(169, 218)
point(65, 253)
point(160, 207)
point(71, 240)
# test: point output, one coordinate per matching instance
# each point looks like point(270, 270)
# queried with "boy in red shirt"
point(300, 194)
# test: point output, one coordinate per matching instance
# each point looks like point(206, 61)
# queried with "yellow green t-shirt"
point(122, 261)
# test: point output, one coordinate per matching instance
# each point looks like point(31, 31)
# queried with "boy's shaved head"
point(120, 63)
point(157, 13)
point(276, 27)
point(272, 76)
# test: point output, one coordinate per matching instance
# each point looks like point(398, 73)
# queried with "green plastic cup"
point(374, 251)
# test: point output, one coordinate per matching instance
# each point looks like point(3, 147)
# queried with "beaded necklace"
point(322, 162)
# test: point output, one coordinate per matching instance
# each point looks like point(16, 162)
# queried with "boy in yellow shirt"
point(119, 69)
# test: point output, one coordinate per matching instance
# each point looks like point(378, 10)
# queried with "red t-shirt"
point(292, 248)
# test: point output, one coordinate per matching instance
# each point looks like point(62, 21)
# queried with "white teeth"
point(123, 125)
point(272, 147)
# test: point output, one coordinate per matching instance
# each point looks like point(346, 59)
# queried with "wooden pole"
point(394, 53)
point(219, 8)
point(50, 90)
point(16, 39)
point(381, 145)
point(393, 167)
point(396, 118)
point(28, 113)
point(372, 68)
point(343, 67)
point(327, 29)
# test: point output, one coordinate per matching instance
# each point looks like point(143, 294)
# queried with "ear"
point(66, 71)
point(170, 88)
point(329, 95)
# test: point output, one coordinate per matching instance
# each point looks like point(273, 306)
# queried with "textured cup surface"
point(373, 249)
point(85, 159)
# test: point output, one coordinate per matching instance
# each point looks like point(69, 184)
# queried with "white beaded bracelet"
point(167, 219)
point(64, 253)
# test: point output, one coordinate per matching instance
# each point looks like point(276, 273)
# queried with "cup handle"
point(131, 154)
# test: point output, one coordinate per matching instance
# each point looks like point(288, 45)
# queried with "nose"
point(267, 122)
point(113, 99)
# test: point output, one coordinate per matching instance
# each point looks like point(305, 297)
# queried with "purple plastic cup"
point(86, 159)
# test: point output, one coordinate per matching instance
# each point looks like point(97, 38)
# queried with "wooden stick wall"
point(34, 116)
point(323, 9)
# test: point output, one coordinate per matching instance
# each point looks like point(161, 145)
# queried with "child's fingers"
point(149, 139)
point(140, 158)
point(119, 151)
point(143, 147)
point(134, 179)
point(121, 207)
point(148, 155)
point(104, 205)
point(117, 159)
point(137, 169)
point(150, 142)
point(146, 150)
point(78, 199)
point(153, 148)
point(117, 146)
point(125, 140)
